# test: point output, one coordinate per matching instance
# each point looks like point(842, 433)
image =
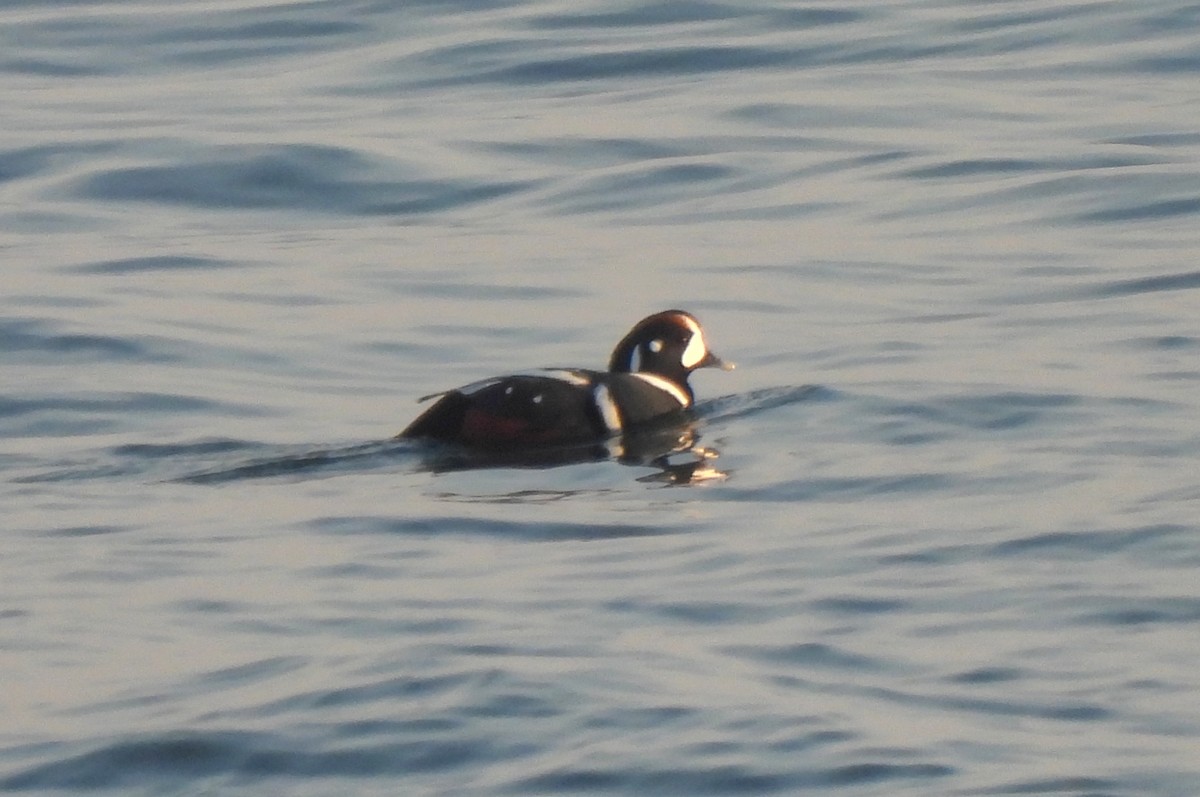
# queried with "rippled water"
point(949, 544)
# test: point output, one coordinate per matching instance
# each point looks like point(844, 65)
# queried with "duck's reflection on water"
point(672, 450)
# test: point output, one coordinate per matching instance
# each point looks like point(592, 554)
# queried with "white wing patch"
point(475, 387)
point(561, 374)
point(609, 412)
point(667, 386)
point(696, 350)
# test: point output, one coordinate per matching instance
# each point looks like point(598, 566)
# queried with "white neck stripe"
point(667, 386)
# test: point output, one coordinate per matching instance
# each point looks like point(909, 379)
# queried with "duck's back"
point(532, 409)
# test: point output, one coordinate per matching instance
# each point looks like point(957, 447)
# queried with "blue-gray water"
point(953, 247)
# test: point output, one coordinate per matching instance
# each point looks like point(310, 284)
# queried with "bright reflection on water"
point(936, 535)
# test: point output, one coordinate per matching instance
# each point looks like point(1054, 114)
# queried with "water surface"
point(949, 540)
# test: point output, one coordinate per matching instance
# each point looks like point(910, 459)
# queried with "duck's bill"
point(713, 361)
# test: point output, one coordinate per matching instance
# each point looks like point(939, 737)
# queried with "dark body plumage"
point(647, 380)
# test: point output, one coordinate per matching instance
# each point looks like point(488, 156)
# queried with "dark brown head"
point(669, 344)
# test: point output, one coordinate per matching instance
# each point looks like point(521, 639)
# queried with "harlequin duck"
point(647, 379)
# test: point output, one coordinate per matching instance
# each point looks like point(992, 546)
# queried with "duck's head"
point(670, 344)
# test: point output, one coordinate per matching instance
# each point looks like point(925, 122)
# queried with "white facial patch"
point(667, 386)
point(608, 408)
point(695, 351)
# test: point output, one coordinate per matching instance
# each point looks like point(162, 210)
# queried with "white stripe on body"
point(609, 413)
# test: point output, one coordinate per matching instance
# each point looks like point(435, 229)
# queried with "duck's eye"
point(655, 345)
